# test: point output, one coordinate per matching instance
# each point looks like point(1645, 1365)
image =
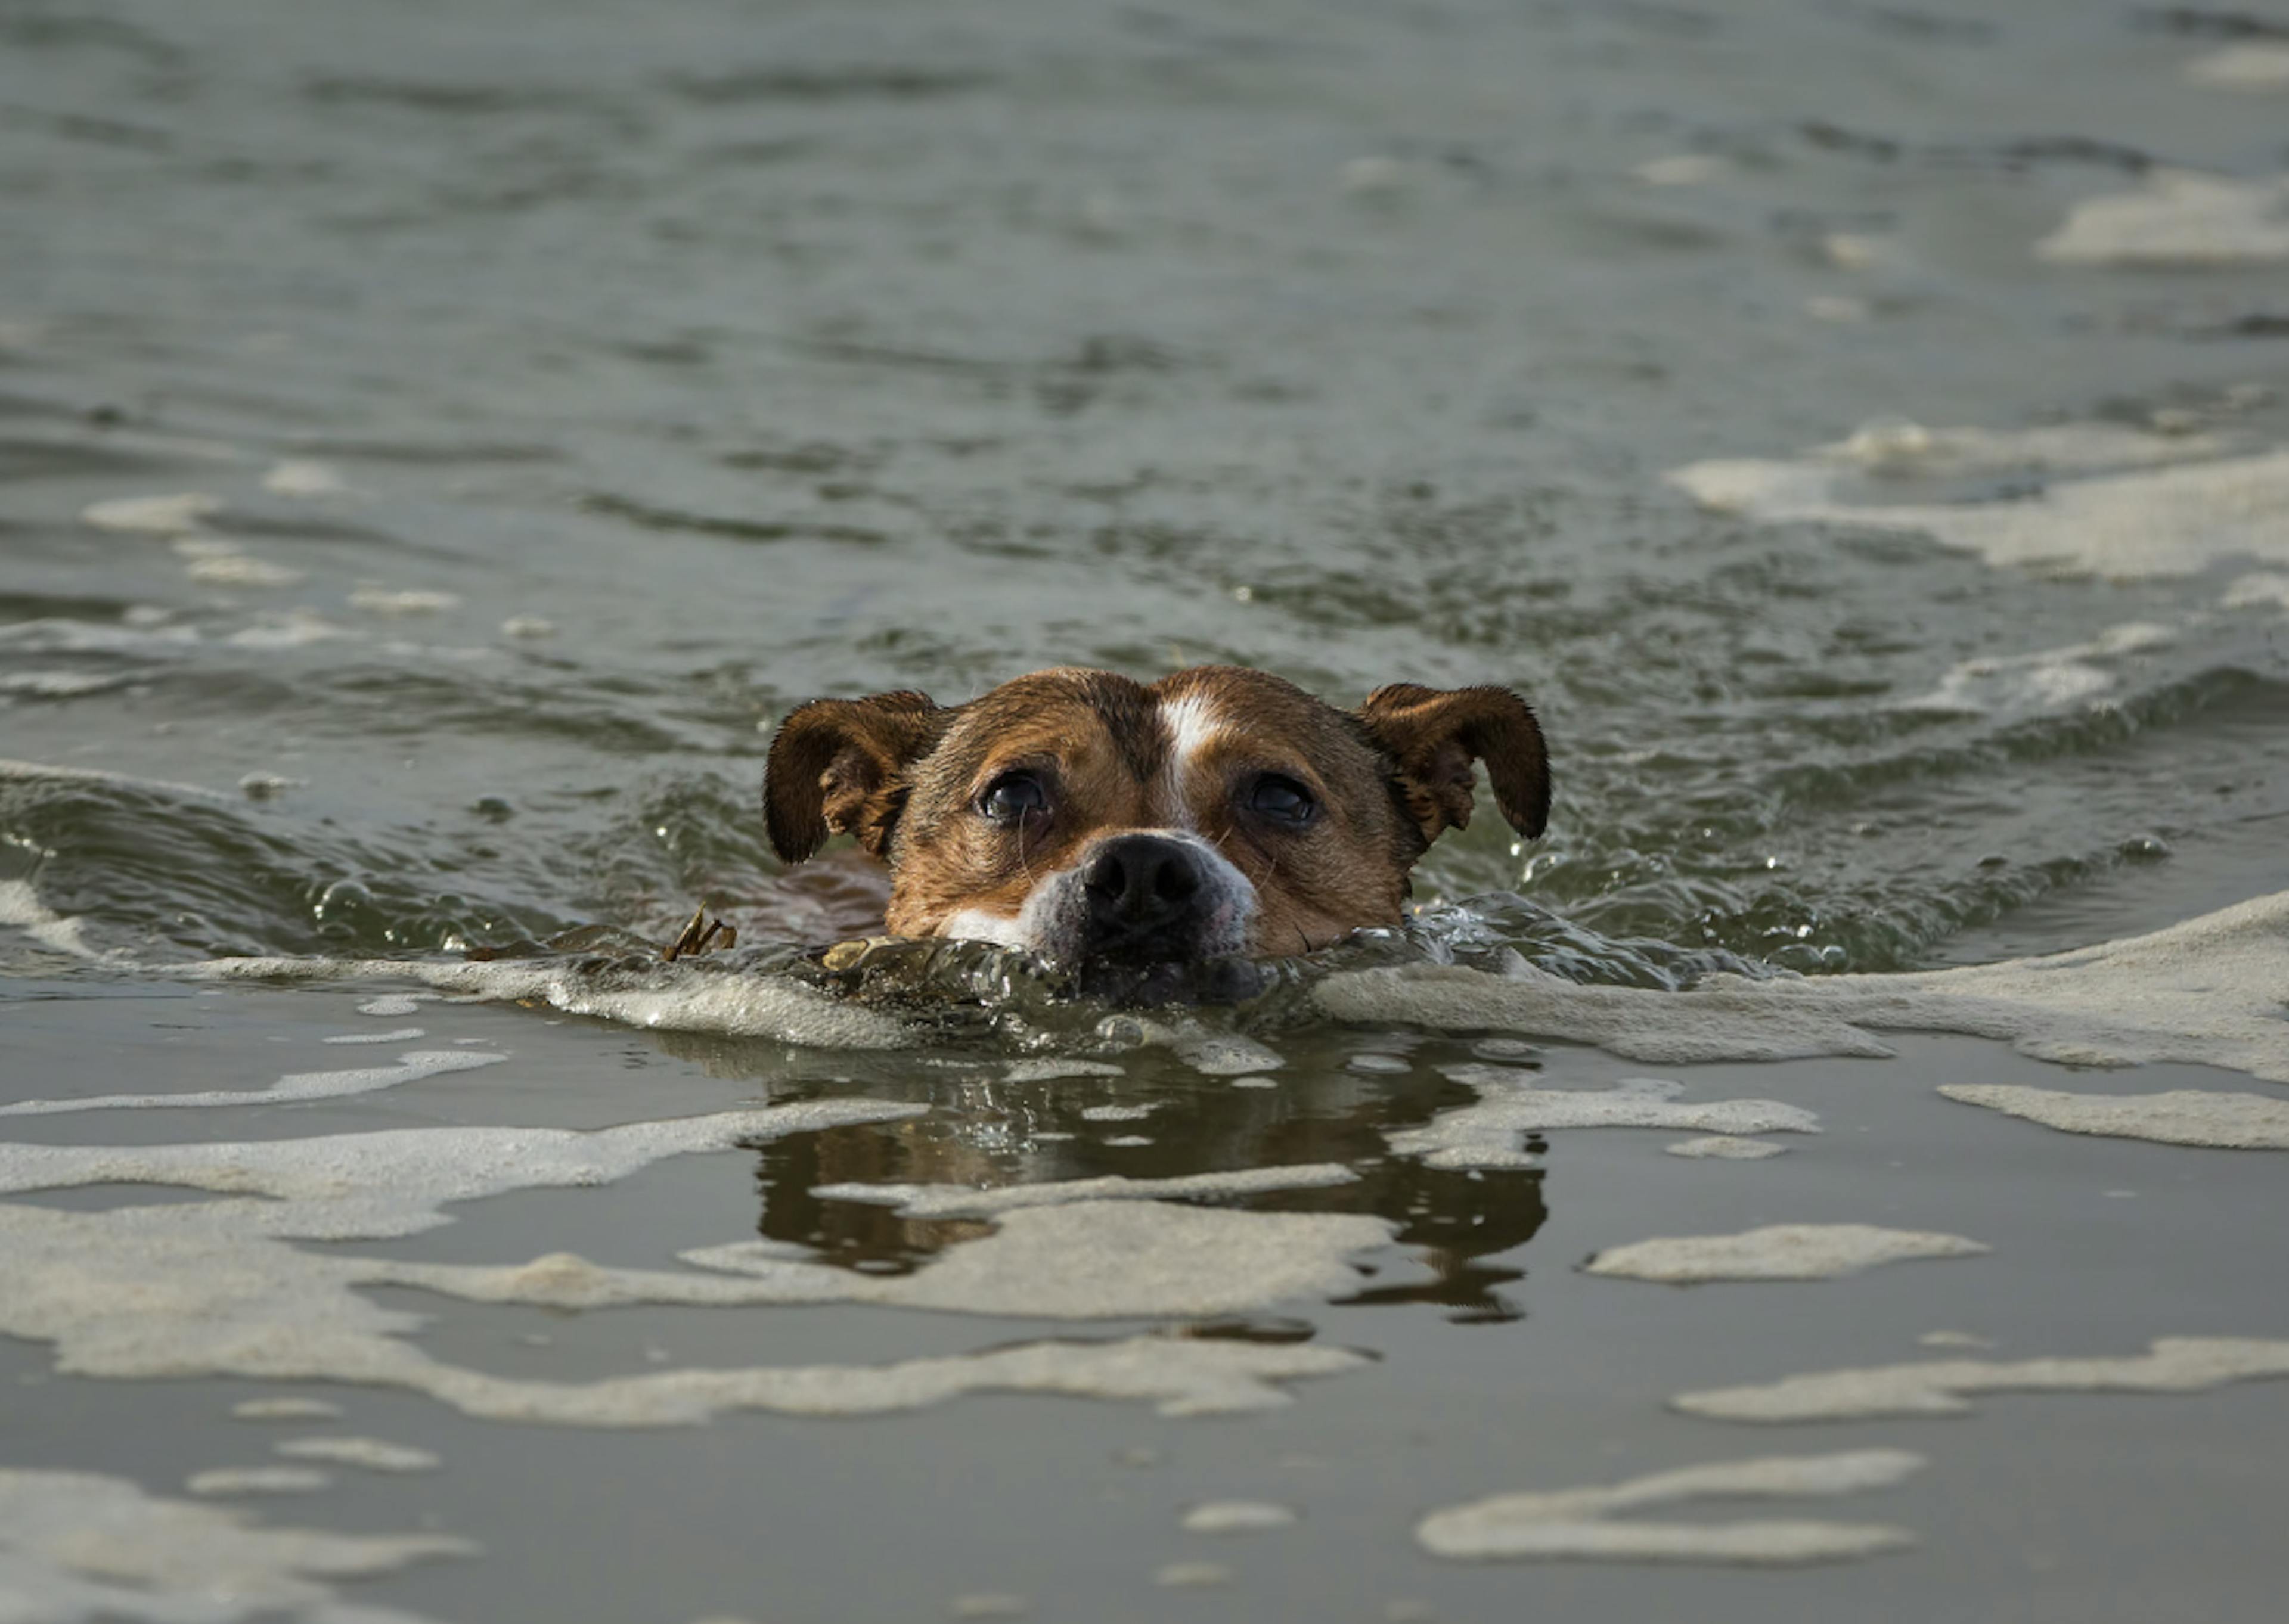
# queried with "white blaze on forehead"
point(1193, 721)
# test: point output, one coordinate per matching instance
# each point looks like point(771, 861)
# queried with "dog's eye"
point(1283, 801)
point(1013, 798)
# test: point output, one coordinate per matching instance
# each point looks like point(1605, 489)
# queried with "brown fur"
point(1434, 735)
point(905, 777)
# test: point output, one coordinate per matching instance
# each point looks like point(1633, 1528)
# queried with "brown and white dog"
point(1093, 820)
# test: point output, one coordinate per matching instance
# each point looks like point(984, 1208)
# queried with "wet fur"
point(902, 775)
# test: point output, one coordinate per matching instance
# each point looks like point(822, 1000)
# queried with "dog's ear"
point(840, 765)
point(1433, 734)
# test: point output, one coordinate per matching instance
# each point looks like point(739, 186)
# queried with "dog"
point(1095, 821)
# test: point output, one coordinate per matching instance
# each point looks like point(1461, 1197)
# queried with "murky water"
point(436, 445)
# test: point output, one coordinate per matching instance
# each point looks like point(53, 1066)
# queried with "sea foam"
point(1943, 1386)
point(2114, 502)
point(2208, 991)
point(688, 1000)
point(74, 1545)
point(1579, 1524)
point(1779, 1251)
point(218, 1288)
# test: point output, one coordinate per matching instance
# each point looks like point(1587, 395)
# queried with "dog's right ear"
point(840, 765)
point(1433, 734)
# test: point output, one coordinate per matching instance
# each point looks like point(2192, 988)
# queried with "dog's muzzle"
point(1145, 896)
point(1142, 900)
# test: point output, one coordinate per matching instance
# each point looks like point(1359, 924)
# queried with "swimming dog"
point(1092, 820)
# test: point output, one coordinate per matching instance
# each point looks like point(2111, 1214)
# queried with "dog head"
point(1090, 819)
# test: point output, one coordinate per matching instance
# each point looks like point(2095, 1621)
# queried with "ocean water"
point(437, 443)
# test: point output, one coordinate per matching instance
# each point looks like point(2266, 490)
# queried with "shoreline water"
point(432, 459)
point(1581, 1400)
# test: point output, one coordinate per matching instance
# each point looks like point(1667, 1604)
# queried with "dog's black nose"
point(1141, 889)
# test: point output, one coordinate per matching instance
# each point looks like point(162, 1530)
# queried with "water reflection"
point(988, 1132)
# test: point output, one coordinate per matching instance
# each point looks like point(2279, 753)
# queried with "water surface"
point(438, 443)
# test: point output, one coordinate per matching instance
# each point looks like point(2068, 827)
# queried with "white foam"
point(214, 1288)
point(2253, 65)
point(1684, 169)
point(2246, 65)
point(1512, 1104)
point(2185, 1117)
point(1577, 1524)
point(404, 1034)
point(169, 515)
point(1237, 1516)
point(242, 569)
point(1856, 251)
point(2177, 219)
point(2170, 515)
point(962, 1201)
point(222, 560)
point(1899, 448)
point(378, 1186)
point(527, 626)
point(294, 1087)
point(303, 477)
point(1374, 177)
point(1726, 1147)
point(1118, 1113)
point(1192, 1575)
point(60, 684)
point(286, 1409)
point(2256, 589)
point(74, 1546)
point(1225, 1055)
point(2208, 991)
point(1940, 1387)
point(397, 1003)
point(36, 770)
point(372, 1453)
point(694, 999)
point(1375, 1063)
point(1049, 1069)
point(295, 629)
point(1090, 1260)
point(230, 1480)
point(1729, 1023)
point(20, 907)
point(54, 634)
point(1778, 1252)
point(1953, 1338)
point(2211, 991)
point(2048, 678)
point(381, 600)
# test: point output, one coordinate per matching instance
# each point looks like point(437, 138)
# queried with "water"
point(560, 394)
point(769, 354)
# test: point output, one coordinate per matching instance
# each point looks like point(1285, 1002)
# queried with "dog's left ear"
point(1433, 734)
point(840, 765)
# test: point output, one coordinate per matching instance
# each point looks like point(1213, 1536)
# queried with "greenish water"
point(768, 353)
point(438, 442)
